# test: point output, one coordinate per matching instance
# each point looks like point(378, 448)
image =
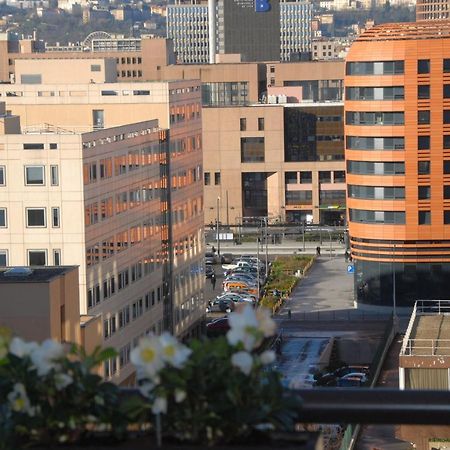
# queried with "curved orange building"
point(397, 110)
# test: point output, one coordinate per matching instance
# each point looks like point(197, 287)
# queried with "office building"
point(270, 30)
point(432, 10)
point(140, 245)
point(397, 130)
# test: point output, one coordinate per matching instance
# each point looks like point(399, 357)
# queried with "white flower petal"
point(180, 395)
point(243, 361)
point(159, 405)
point(267, 357)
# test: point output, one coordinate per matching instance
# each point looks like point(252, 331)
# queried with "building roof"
point(433, 29)
point(34, 275)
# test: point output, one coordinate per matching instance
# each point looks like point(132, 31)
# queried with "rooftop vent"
point(18, 272)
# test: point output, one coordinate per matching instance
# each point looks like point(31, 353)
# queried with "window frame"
point(4, 252)
point(5, 225)
point(57, 223)
point(40, 250)
point(44, 209)
point(3, 177)
point(54, 175)
point(27, 183)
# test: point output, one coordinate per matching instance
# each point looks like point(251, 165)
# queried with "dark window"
point(446, 116)
point(35, 217)
point(36, 258)
point(423, 117)
point(260, 123)
point(96, 68)
point(3, 258)
point(2, 217)
point(207, 177)
point(424, 217)
point(446, 65)
point(423, 92)
point(375, 143)
point(446, 90)
point(446, 141)
point(423, 66)
point(306, 177)
point(290, 177)
point(446, 217)
point(53, 146)
point(31, 79)
point(243, 124)
point(375, 68)
point(424, 192)
point(217, 178)
point(252, 149)
point(423, 167)
point(447, 167)
point(31, 146)
point(447, 192)
point(423, 142)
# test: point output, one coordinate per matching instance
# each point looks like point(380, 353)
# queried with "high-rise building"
point(432, 10)
point(397, 111)
point(123, 201)
point(269, 30)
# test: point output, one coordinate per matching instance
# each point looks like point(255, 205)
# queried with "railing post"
point(432, 346)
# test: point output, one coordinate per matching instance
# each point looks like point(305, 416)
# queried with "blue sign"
point(350, 268)
point(262, 5)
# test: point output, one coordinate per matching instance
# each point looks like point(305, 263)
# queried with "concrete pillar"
point(212, 30)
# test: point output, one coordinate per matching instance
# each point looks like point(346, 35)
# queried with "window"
point(379, 217)
point(446, 90)
point(252, 149)
point(96, 68)
point(31, 78)
point(446, 220)
point(423, 142)
point(423, 91)
point(37, 257)
point(2, 176)
point(375, 143)
point(31, 146)
point(56, 257)
point(447, 192)
point(376, 168)
point(423, 117)
point(55, 217)
point(375, 68)
point(34, 176)
point(446, 142)
point(446, 116)
point(423, 66)
point(423, 167)
point(424, 192)
point(217, 178)
point(53, 146)
point(54, 176)
point(375, 93)
point(446, 65)
point(424, 217)
point(243, 124)
point(3, 257)
point(35, 217)
point(207, 176)
point(260, 123)
point(3, 218)
point(447, 167)
point(374, 118)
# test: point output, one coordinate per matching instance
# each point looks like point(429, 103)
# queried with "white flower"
point(159, 405)
point(266, 324)
point(19, 401)
point(173, 352)
point(147, 357)
point(46, 355)
point(62, 380)
point(243, 361)
point(267, 357)
point(20, 348)
point(180, 395)
point(146, 389)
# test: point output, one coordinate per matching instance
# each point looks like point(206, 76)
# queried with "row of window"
point(35, 257)
point(391, 168)
point(34, 175)
point(376, 192)
point(375, 93)
point(306, 177)
point(374, 118)
point(391, 67)
point(391, 143)
point(392, 217)
point(34, 217)
point(207, 178)
point(243, 124)
point(180, 113)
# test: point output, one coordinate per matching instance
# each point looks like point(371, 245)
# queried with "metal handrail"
point(414, 347)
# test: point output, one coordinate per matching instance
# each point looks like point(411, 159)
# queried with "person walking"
point(213, 281)
point(318, 251)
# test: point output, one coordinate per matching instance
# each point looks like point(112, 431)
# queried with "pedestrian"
point(213, 249)
point(346, 255)
point(213, 281)
point(318, 250)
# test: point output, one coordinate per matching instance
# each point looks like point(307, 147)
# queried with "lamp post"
point(217, 225)
point(303, 224)
point(394, 298)
point(331, 244)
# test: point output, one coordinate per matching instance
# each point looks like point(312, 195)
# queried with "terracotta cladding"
point(419, 42)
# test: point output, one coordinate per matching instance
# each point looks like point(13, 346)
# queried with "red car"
point(217, 326)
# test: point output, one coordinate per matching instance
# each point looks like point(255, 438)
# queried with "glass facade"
point(375, 168)
point(413, 281)
point(320, 90)
point(374, 118)
point(299, 135)
point(375, 93)
point(375, 143)
point(377, 217)
point(233, 93)
point(376, 192)
point(254, 194)
point(252, 149)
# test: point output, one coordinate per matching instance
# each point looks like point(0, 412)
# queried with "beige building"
point(41, 303)
point(100, 199)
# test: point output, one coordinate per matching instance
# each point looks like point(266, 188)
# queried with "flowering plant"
point(50, 395)
point(217, 390)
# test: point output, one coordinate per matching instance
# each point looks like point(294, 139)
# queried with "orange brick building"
point(397, 152)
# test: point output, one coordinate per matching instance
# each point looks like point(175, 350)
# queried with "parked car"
point(220, 305)
point(217, 327)
point(355, 379)
point(345, 370)
point(209, 271)
point(226, 258)
point(211, 258)
point(237, 298)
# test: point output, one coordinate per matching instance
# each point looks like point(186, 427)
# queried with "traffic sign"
point(350, 268)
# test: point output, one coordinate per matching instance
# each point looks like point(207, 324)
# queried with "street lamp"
point(217, 225)
point(394, 298)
